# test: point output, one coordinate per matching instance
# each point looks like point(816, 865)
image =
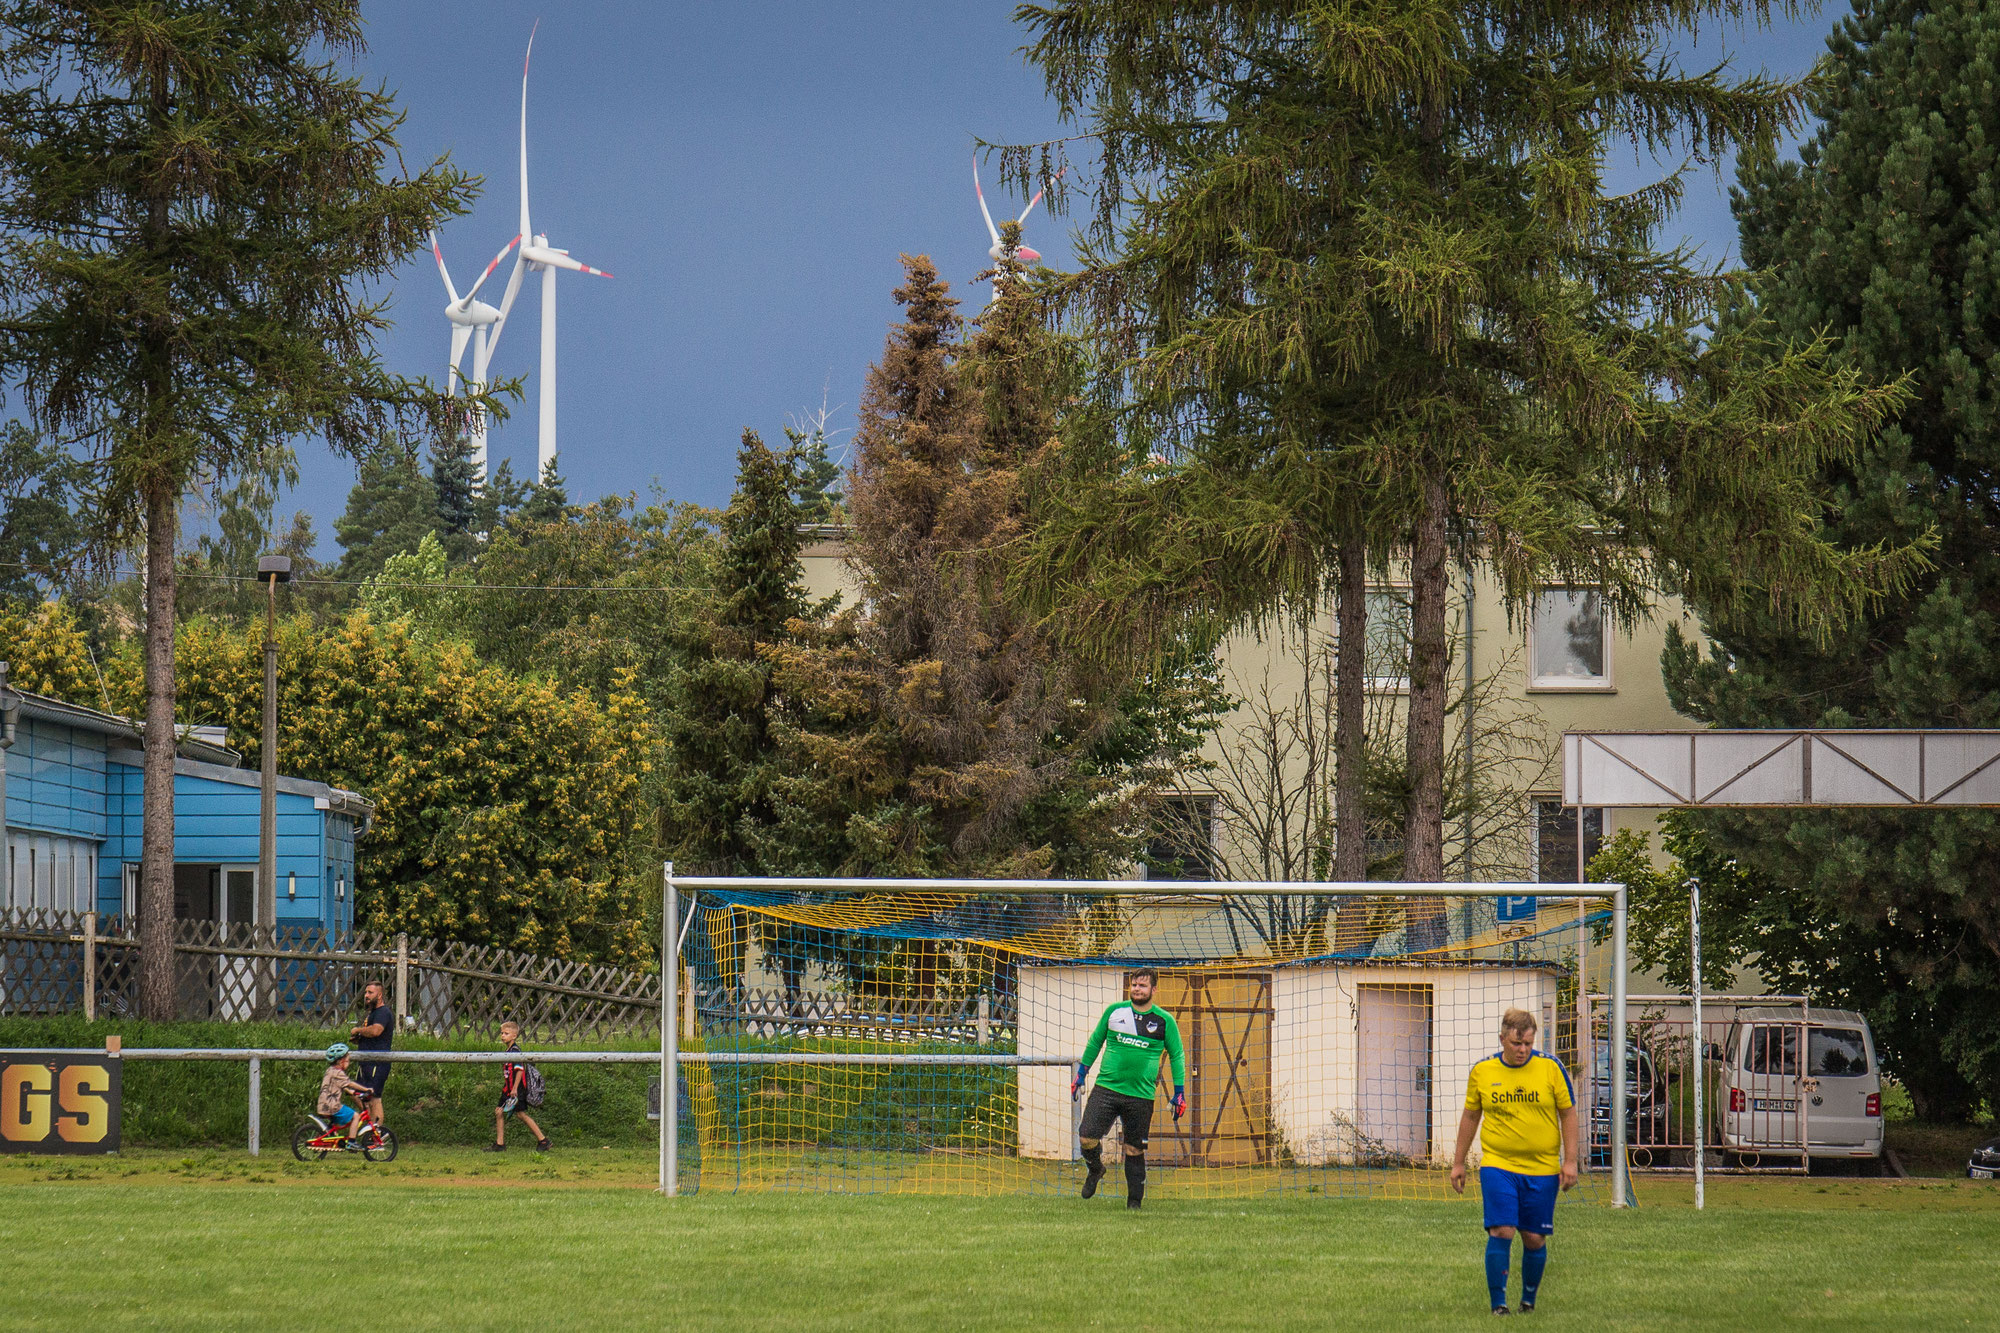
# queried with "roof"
point(1789, 1014)
point(42, 708)
point(325, 796)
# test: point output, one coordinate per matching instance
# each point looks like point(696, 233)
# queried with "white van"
point(1772, 1101)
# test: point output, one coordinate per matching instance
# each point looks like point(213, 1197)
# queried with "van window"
point(1773, 1050)
point(1837, 1053)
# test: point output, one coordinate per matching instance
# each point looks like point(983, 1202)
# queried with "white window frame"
point(1540, 684)
point(1388, 684)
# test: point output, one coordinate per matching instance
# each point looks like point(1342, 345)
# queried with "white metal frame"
point(673, 933)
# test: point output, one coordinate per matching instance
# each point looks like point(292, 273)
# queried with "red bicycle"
point(316, 1137)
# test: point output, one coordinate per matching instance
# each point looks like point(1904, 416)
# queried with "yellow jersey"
point(1520, 1126)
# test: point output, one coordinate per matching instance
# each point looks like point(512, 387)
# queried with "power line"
point(386, 583)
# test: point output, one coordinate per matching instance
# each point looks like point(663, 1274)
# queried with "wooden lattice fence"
point(79, 962)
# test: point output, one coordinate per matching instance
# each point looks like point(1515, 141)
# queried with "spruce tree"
point(393, 504)
point(455, 484)
point(548, 500)
point(1881, 234)
point(196, 198)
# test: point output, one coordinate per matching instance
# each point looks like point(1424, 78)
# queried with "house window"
point(1182, 846)
point(1555, 841)
point(1388, 639)
point(1568, 641)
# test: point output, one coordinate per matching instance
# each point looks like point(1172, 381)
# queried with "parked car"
point(1799, 1080)
point(1645, 1103)
point(1984, 1164)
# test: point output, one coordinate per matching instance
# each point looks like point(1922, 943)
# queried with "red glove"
point(1179, 1103)
point(1076, 1081)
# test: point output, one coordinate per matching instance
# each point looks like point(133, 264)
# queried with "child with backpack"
point(520, 1085)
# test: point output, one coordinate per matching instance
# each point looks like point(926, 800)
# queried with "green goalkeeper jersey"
point(1132, 1039)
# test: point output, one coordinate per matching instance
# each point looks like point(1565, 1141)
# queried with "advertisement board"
point(59, 1103)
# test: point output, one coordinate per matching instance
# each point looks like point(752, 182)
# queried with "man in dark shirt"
point(376, 1032)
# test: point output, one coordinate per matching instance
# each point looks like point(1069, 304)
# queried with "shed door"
point(1394, 1109)
point(1225, 1022)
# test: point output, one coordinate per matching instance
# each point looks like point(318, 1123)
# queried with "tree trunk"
point(156, 858)
point(1423, 827)
point(1350, 736)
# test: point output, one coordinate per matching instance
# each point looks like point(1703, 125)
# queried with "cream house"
point(1561, 665)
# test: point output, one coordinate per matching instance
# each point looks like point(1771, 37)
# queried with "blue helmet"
point(335, 1051)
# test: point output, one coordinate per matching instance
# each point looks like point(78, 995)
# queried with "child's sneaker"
point(494, 1147)
point(541, 1145)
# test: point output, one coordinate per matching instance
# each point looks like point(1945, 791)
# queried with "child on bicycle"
point(336, 1085)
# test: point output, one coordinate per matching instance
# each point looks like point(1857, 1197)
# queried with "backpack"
point(533, 1089)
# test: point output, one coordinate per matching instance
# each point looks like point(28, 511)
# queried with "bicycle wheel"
point(302, 1138)
point(382, 1149)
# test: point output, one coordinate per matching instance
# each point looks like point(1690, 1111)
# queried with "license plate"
point(1980, 1172)
point(1773, 1104)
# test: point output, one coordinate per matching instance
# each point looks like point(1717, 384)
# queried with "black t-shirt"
point(379, 1014)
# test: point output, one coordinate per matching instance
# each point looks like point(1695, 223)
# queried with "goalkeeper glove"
point(1076, 1084)
point(1180, 1101)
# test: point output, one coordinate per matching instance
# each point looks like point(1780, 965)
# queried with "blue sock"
point(1532, 1264)
point(1497, 1251)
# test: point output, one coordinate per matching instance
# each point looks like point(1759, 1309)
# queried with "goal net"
point(891, 1038)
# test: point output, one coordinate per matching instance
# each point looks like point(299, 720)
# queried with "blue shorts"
point(342, 1116)
point(1526, 1203)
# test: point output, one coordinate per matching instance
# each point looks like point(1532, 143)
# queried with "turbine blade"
point(991, 230)
point(489, 269)
point(1036, 200)
point(443, 272)
point(506, 305)
point(460, 334)
point(526, 230)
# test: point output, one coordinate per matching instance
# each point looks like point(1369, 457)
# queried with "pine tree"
point(1357, 283)
point(499, 498)
point(455, 483)
point(393, 504)
point(196, 199)
point(1881, 234)
point(43, 539)
point(548, 501)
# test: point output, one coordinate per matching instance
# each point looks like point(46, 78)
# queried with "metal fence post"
point(670, 1036)
point(402, 977)
point(1699, 1043)
point(256, 1101)
point(90, 967)
point(1621, 1180)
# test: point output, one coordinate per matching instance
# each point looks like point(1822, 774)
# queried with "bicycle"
point(315, 1137)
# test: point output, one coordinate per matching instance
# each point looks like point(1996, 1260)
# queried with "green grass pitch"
point(451, 1238)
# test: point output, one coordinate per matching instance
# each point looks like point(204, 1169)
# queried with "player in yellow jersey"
point(1518, 1101)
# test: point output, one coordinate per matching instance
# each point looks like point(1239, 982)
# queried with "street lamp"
point(271, 571)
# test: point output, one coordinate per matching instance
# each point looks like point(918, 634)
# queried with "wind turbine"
point(538, 255)
point(996, 252)
point(474, 321)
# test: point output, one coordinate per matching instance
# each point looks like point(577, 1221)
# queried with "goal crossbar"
point(672, 1058)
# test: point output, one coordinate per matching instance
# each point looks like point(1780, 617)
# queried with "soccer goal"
point(919, 1036)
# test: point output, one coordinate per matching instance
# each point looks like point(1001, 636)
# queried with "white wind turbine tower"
point(538, 255)
point(474, 321)
point(997, 251)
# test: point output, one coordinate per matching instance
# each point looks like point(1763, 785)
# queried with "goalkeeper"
point(1132, 1034)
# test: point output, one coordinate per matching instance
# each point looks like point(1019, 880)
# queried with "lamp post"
point(271, 571)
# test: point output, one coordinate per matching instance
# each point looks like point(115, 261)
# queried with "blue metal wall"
point(216, 821)
point(56, 780)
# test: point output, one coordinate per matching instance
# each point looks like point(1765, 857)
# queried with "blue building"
point(74, 792)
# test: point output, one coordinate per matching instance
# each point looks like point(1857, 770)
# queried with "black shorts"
point(375, 1075)
point(1105, 1106)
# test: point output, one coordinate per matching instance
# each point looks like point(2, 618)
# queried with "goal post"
point(918, 1036)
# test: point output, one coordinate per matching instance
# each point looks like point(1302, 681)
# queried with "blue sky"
point(750, 171)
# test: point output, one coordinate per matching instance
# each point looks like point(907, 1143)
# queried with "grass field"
point(454, 1238)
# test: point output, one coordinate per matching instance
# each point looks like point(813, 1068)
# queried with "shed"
point(1315, 1063)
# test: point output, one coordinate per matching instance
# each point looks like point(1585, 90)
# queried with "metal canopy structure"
point(1831, 767)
